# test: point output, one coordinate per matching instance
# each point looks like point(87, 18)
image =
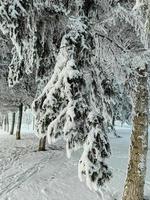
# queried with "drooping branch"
point(69, 106)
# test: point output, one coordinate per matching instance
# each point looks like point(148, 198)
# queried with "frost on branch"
point(14, 22)
point(96, 150)
point(137, 16)
point(31, 31)
point(71, 107)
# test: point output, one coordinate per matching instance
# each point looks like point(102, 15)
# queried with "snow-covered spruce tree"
point(70, 106)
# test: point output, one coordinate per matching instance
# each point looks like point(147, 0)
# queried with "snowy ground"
point(29, 175)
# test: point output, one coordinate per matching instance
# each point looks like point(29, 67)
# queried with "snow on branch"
point(136, 18)
point(70, 107)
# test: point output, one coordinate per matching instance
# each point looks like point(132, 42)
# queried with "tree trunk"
point(113, 128)
point(4, 123)
point(134, 186)
point(12, 123)
point(7, 123)
point(18, 137)
point(42, 143)
point(1, 121)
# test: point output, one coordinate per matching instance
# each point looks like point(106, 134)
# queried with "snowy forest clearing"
point(27, 174)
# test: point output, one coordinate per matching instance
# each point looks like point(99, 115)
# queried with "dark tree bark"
point(7, 123)
point(18, 131)
point(113, 128)
point(42, 143)
point(13, 123)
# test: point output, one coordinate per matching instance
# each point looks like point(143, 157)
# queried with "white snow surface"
point(26, 174)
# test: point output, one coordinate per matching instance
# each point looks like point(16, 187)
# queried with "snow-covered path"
point(29, 175)
point(26, 174)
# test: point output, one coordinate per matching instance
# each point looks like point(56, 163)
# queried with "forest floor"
point(26, 174)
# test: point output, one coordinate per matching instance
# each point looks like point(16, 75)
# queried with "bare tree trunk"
point(134, 186)
point(7, 123)
point(113, 128)
point(12, 123)
point(18, 137)
point(1, 121)
point(42, 143)
point(4, 123)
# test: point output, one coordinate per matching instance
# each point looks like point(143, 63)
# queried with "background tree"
point(12, 123)
point(23, 92)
